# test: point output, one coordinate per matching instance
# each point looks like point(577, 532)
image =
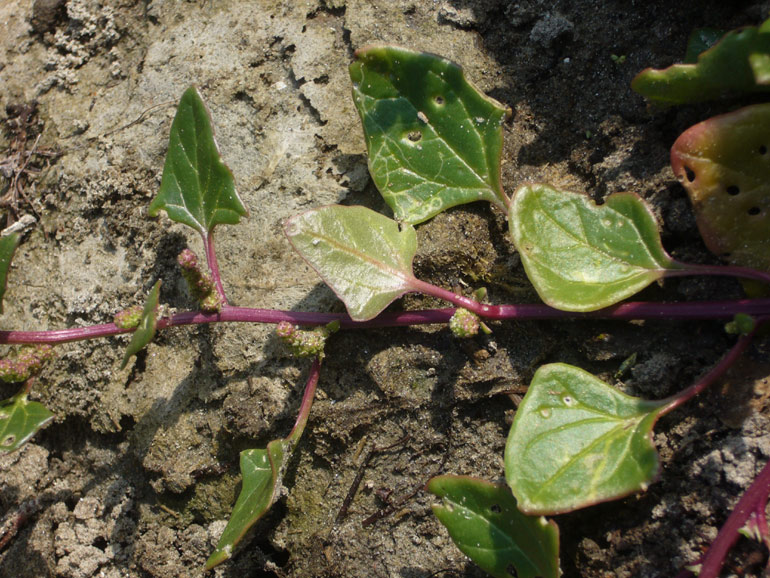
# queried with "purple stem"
point(716, 372)
point(714, 310)
point(754, 500)
point(211, 259)
point(307, 403)
point(719, 270)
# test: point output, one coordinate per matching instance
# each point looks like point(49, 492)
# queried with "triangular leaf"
point(197, 188)
point(734, 65)
point(8, 245)
point(484, 522)
point(434, 141)
point(365, 257)
point(724, 163)
point(583, 257)
point(262, 471)
point(146, 329)
point(20, 419)
point(576, 441)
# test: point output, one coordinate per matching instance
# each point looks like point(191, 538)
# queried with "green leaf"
point(434, 141)
point(20, 419)
point(197, 188)
point(484, 522)
point(734, 65)
point(583, 257)
point(724, 163)
point(701, 40)
point(146, 329)
point(576, 441)
point(8, 245)
point(262, 471)
point(365, 257)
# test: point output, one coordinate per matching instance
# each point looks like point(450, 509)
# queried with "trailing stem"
point(716, 372)
point(307, 403)
point(702, 310)
point(754, 501)
point(720, 271)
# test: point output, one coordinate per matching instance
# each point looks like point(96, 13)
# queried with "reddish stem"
point(211, 259)
point(752, 501)
point(716, 372)
point(706, 310)
point(720, 271)
point(307, 403)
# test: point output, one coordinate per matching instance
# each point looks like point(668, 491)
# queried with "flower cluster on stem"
point(26, 363)
point(201, 283)
point(306, 342)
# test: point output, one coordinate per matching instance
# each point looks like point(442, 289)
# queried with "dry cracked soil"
point(139, 470)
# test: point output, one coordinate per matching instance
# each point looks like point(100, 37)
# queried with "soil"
point(138, 473)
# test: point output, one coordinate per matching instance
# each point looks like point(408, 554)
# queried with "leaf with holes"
point(434, 141)
point(737, 64)
point(20, 419)
point(197, 188)
point(146, 329)
point(365, 257)
point(724, 163)
point(262, 472)
point(583, 257)
point(576, 441)
point(8, 246)
point(484, 522)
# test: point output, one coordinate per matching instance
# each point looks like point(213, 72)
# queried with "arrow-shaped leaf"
point(724, 163)
point(583, 257)
point(146, 329)
point(484, 522)
point(20, 419)
point(8, 245)
point(262, 471)
point(738, 63)
point(434, 141)
point(576, 441)
point(365, 257)
point(197, 188)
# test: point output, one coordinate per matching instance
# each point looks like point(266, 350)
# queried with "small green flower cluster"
point(201, 283)
point(305, 343)
point(464, 323)
point(741, 324)
point(26, 363)
point(128, 318)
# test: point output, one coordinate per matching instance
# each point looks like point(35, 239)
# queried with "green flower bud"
point(464, 323)
point(129, 318)
point(741, 324)
point(26, 363)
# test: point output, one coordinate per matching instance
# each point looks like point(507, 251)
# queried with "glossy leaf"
point(20, 419)
point(262, 472)
point(8, 246)
point(434, 141)
point(484, 522)
point(583, 257)
point(576, 441)
point(146, 329)
point(197, 188)
point(734, 65)
point(365, 257)
point(724, 163)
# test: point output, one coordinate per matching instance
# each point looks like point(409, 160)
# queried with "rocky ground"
point(138, 472)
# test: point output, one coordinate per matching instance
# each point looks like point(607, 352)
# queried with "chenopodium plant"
point(434, 142)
